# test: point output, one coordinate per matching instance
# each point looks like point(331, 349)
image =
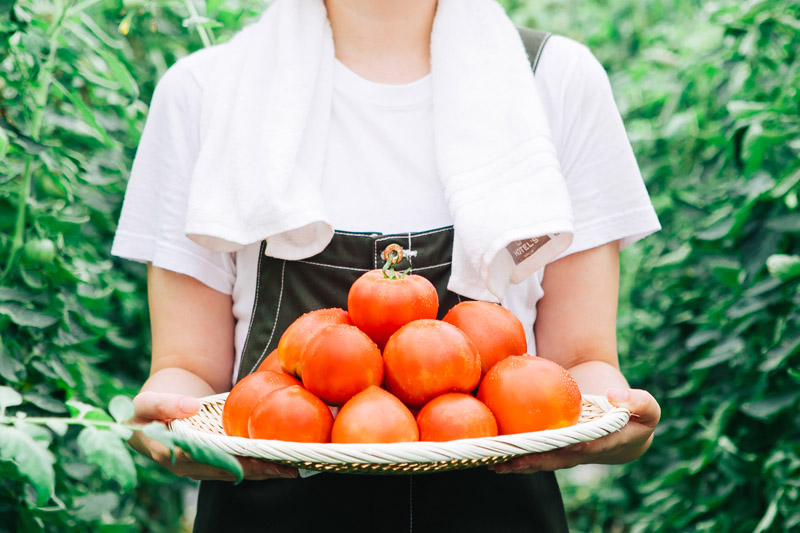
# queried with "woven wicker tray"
point(598, 418)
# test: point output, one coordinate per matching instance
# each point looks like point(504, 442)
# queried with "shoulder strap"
point(534, 41)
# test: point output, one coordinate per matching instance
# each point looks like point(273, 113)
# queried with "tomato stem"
point(392, 258)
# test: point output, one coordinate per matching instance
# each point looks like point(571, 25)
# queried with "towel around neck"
point(263, 128)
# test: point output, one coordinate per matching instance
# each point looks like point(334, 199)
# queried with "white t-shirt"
point(381, 136)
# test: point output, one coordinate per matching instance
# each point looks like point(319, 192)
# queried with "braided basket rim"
point(598, 419)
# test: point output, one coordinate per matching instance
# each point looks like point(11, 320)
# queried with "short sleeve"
point(151, 225)
point(609, 198)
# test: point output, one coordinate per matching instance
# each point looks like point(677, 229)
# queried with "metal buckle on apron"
point(393, 253)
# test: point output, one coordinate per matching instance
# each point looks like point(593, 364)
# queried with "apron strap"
point(534, 41)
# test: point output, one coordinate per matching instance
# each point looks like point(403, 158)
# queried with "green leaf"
point(86, 113)
point(126, 525)
point(700, 337)
point(785, 224)
point(199, 452)
point(211, 456)
point(213, 5)
point(35, 431)
point(721, 353)
point(20, 295)
point(784, 267)
point(717, 231)
point(46, 403)
point(769, 517)
point(121, 408)
point(110, 454)
point(120, 74)
point(57, 427)
point(776, 356)
point(9, 397)
point(786, 184)
point(159, 432)
point(33, 461)
point(3, 144)
point(11, 369)
point(80, 409)
point(22, 316)
point(766, 408)
point(92, 507)
point(673, 258)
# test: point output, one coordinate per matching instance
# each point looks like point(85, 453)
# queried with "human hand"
point(163, 407)
point(622, 446)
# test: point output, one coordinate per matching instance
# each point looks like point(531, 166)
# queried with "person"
point(216, 314)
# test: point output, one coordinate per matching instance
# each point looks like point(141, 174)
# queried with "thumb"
point(639, 402)
point(163, 406)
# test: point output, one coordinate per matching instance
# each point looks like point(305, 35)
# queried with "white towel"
point(264, 122)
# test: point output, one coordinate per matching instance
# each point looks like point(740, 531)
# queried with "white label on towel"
point(521, 250)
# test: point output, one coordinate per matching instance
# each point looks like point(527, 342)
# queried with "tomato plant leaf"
point(45, 403)
point(784, 267)
point(11, 369)
point(33, 461)
point(199, 452)
point(86, 113)
point(105, 449)
point(57, 427)
point(120, 74)
point(211, 456)
point(3, 143)
point(22, 316)
point(9, 397)
point(121, 408)
point(80, 409)
point(767, 407)
point(20, 295)
point(92, 507)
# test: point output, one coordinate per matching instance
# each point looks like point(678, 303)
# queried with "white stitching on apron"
point(410, 504)
point(415, 235)
point(255, 304)
point(333, 266)
point(349, 233)
point(433, 266)
point(366, 269)
point(275, 323)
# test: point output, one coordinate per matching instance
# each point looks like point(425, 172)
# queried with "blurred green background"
point(709, 309)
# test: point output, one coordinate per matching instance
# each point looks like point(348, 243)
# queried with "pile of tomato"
point(386, 370)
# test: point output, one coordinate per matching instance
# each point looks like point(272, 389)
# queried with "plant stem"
point(19, 226)
point(40, 102)
point(69, 421)
point(201, 30)
point(82, 6)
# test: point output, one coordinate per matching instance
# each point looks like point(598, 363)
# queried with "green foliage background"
point(709, 319)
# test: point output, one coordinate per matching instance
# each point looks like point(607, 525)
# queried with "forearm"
point(595, 377)
point(178, 381)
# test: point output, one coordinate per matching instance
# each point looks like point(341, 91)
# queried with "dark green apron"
point(467, 500)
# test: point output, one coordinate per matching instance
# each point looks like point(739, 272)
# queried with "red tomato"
point(380, 305)
point(530, 394)
point(246, 394)
point(271, 362)
point(374, 415)
point(494, 330)
point(339, 362)
point(455, 415)
point(291, 414)
point(426, 358)
point(294, 340)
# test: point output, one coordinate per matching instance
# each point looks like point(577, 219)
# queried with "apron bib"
point(476, 499)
